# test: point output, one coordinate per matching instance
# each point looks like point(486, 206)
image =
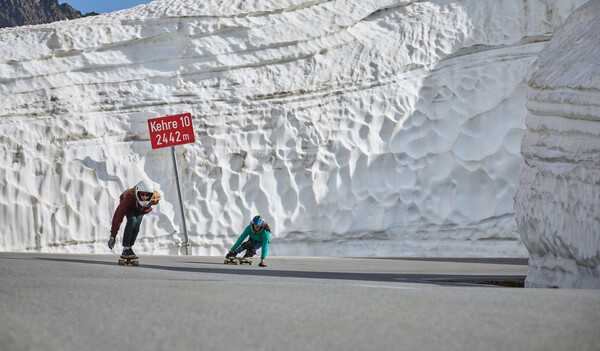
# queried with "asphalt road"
point(88, 302)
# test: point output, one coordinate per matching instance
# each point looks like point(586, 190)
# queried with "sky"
point(104, 6)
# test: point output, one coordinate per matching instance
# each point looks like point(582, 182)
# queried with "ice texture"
point(356, 128)
point(557, 199)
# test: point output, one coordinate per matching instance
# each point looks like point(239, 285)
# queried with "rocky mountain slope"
point(25, 12)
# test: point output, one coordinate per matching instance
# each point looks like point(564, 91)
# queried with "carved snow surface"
point(558, 193)
point(356, 128)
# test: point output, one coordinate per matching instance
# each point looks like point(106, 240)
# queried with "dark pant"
point(132, 228)
point(251, 246)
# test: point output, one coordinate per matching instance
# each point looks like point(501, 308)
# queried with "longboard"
point(238, 261)
point(125, 260)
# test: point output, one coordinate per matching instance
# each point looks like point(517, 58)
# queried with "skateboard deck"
point(238, 261)
point(125, 260)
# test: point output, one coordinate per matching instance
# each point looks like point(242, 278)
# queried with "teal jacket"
point(263, 236)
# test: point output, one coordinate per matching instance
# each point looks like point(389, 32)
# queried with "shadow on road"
point(439, 279)
point(501, 260)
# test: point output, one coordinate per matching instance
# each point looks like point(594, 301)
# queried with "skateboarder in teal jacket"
point(259, 235)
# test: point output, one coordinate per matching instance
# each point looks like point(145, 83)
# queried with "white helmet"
point(145, 186)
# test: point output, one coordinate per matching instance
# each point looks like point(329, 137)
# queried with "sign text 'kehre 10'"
point(171, 130)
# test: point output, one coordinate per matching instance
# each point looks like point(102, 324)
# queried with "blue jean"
point(132, 228)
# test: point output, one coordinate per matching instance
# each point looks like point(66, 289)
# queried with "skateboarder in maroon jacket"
point(134, 204)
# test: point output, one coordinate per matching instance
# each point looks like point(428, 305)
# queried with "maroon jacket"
point(127, 201)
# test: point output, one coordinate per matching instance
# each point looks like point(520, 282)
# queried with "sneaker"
point(231, 254)
point(129, 253)
point(248, 254)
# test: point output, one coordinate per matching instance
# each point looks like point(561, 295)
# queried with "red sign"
point(171, 130)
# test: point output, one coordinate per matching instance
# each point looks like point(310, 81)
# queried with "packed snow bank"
point(371, 128)
point(558, 193)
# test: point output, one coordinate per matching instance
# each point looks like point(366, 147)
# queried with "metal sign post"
point(185, 233)
point(171, 131)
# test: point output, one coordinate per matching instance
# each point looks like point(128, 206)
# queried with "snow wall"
point(557, 200)
point(356, 128)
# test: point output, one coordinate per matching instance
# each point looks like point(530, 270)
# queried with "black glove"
point(111, 243)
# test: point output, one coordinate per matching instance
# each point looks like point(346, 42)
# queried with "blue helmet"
point(259, 221)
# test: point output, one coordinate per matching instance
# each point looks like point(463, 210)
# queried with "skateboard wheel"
point(135, 263)
point(121, 262)
point(251, 263)
point(237, 263)
point(226, 261)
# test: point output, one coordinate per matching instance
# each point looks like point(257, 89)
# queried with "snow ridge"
point(387, 128)
point(557, 199)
